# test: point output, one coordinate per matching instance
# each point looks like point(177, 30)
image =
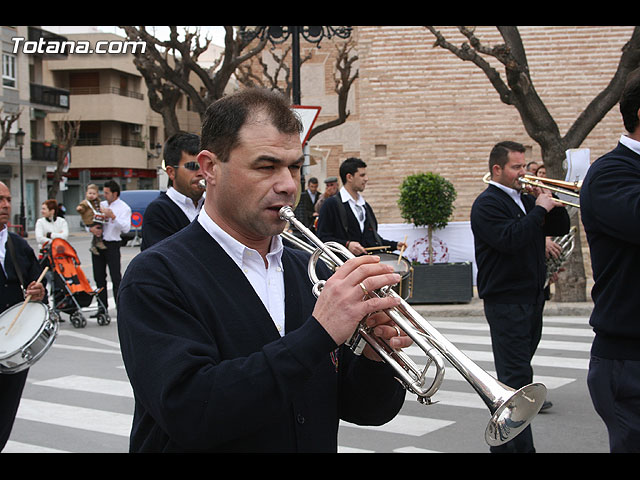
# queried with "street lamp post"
point(280, 34)
point(20, 134)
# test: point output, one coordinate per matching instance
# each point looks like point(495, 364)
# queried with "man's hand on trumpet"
point(344, 302)
point(544, 197)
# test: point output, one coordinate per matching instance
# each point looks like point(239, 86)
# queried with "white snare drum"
point(29, 338)
point(402, 268)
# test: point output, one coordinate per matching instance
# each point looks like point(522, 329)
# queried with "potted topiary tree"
point(426, 200)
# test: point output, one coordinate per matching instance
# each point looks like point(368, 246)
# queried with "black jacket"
point(12, 293)
point(510, 246)
point(162, 218)
point(610, 209)
point(209, 370)
point(337, 223)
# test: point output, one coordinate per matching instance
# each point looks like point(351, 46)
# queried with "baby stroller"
point(71, 290)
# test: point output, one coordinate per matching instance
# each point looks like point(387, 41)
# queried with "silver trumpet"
point(512, 409)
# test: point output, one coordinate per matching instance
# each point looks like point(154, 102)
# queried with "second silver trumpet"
point(511, 409)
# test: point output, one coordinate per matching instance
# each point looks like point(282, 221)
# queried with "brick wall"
point(418, 108)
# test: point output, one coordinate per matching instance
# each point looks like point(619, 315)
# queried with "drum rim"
point(43, 327)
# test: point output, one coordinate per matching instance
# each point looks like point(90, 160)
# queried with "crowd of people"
point(216, 310)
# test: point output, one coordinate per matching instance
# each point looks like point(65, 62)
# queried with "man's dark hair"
point(500, 153)
point(630, 102)
point(113, 186)
point(350, 165)
point(178, 143)
point(225, 117)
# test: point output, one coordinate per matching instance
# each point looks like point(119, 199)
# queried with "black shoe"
point(546, 405)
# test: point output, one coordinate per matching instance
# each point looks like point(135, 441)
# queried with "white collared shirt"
point(357, 206)
point(112, 228)
point(630, 143)
point(3, 245)
point(185, 203)
point(512, 192)
point(267, 282)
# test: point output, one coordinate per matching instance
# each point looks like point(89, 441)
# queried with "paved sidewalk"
point(476, 308)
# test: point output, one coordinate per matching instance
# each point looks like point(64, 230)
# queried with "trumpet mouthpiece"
point(286, 213)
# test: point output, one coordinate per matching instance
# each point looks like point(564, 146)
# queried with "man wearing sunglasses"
point(180, 204)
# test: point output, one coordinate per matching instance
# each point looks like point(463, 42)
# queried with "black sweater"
point(162, 218)
point(610, 209)
point(210, 371)
point(510, 246)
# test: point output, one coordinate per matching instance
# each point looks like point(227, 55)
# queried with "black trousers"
point(614, 386)
point(515, 333)
point(110, 257)
point(11, 386)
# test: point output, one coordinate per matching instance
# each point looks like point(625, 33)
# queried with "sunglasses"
point(193, 166)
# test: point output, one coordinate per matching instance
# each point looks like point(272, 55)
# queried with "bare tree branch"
point(6, 122)
point(343, 81)
point(66, 133)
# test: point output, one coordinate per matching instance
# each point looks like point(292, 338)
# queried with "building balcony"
point(115, 154)
point(36, 34)
point(106, 105)
point(49, 98)
point(44, 151)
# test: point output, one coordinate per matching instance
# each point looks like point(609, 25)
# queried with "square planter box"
point(442, 283)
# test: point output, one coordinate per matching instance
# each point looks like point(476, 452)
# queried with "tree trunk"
point(572, 283)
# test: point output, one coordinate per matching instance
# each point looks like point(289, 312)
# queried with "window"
point(9, 70)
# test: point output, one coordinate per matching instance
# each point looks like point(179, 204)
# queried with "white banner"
point(451, 244)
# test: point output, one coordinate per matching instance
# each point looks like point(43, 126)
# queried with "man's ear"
point(209, 166)
point(171, 172)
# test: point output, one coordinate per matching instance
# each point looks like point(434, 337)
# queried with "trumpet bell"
point(511, 410)
point(515, 413)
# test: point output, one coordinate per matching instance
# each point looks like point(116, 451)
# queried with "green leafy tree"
point(426, 199)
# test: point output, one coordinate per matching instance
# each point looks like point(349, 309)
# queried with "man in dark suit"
point(225, 345)
point(509, 229)
point(346, 217)
point(611, 217)
point(308, 200)
point(11, 292)
point(178, 206)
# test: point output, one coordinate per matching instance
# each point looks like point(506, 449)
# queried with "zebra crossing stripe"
point(405, 425)
point(19, 447)
point(75, 417)
point(90, 384)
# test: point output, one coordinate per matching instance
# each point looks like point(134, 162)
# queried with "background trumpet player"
point(509, 228)
point(224, 343)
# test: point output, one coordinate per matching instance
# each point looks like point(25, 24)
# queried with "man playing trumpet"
point(509, 228)
point(225, 345)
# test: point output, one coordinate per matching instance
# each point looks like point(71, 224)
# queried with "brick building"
point(418, 108)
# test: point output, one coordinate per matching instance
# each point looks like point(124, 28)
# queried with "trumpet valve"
point(356, 343)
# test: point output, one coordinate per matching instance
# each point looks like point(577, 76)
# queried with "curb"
point(475, 308)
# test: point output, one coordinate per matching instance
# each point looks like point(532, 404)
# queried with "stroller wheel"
point(103, 319)
point(78, 320)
